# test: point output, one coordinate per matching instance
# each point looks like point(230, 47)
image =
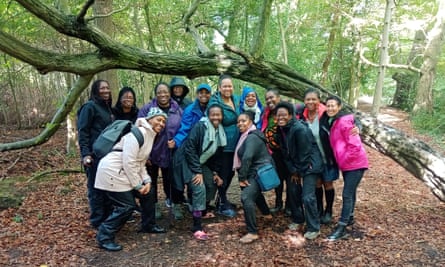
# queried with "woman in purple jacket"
point(351, 159)
point(162, 152)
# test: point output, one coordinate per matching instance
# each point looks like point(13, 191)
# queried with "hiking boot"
point(177, 212)
point(277, 208)
point(287, 212)
point(351, 221)
point(227, 212)
point(158, 214)
point(338, 233)
point(311, 235)
point(168, 203)
point(326, 218)
point(249, 238)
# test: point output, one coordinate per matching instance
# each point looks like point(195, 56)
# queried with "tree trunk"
point(383, 59)
point(105, 24)
point(424, 98)
point(407, 81)
point(330, 48)
point(282, 36)
point(257, 46)
point(414, 155)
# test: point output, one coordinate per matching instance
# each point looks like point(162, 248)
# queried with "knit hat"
point(154, 111)
point(204, 86)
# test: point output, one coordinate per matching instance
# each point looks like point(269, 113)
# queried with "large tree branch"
point(58, 118)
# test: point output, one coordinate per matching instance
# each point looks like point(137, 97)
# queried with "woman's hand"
point(295, 178)
point(217, 180)
point(197, 180)
point(244, 183)
point(171, 144)
point(87, 161)
point(145, 189)
point(355, 131)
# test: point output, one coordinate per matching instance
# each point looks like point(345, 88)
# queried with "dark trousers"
point(252, 197)
point(295, 201)
point(226, 173)
point(310, 202)
point(283, 174)
point(100, 206)
point(123, 206)
point(170, 191)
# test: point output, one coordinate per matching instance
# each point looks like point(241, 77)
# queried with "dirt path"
point(399, 223)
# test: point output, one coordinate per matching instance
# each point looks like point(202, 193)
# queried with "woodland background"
point(388, 51)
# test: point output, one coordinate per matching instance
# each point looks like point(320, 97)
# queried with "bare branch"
point(394, 66)
point(109, 14)
point(202, 47)
point(83, 11)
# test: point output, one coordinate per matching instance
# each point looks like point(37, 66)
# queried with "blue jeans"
point(351, 181)
point(251, 197)
point(310, 202)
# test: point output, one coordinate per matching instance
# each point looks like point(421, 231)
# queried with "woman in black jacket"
point(195, 164)
point(250, 154)
point(305, 164)
point(92, 118)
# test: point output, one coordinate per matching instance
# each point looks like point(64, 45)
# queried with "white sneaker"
point(295, 226)
point(311, 235)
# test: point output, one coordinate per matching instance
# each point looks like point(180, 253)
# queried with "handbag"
point(267, 177)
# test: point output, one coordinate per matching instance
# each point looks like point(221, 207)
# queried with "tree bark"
point(330, 48)
point(257, 46)
point(424, 98)
point(105, 24)
point(390, 4)
point(414, 155)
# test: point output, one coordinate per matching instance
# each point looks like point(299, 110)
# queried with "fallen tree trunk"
point(412, 154)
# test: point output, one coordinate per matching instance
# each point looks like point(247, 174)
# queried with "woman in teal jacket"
point(230, 104)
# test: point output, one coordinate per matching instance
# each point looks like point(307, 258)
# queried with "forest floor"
point(398, 220)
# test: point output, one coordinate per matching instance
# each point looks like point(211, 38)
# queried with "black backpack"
point(112, 134)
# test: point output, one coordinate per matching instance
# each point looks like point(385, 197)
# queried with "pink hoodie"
point(348, 149)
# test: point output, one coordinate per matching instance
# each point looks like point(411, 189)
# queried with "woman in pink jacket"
point(350, 156)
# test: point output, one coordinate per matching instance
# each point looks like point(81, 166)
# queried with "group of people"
point(198, 146)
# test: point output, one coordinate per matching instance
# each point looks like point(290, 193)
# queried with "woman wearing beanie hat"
point(122, 176)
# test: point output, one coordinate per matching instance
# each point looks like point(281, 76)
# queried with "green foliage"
point(18, 218)
point(433, 124)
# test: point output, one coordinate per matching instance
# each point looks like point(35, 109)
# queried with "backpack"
point(113, 134)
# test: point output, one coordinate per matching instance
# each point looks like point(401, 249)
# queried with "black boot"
point(277, 208)
point(351, 221)
point(338, 233)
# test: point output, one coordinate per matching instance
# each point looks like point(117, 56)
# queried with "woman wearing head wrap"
point(250, 102)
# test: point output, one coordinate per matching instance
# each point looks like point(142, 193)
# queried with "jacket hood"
point(178, 81)
point(258, 133)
